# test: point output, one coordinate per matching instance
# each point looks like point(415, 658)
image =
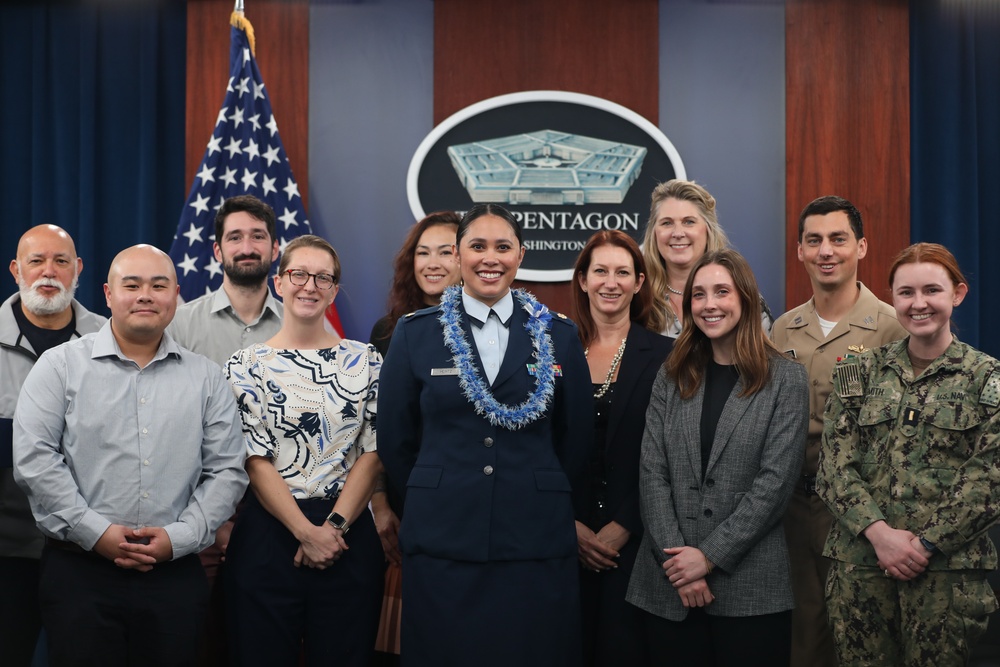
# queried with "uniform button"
point(710, 482)
point(146, 462)
point(488, 470)
point(145, 431)
point(143, 401)
point(708, 513)
point(146, 495)
point(488, 442)
point(247, 329)
point(493, 342)
point(820, 350)
point(812, 415)
point(815, 382)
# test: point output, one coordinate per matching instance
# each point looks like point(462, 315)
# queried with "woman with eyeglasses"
point(304, 564)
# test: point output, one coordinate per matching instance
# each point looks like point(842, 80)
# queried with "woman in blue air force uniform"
point(487, 416)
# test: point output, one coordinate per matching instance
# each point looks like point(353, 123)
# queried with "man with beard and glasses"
point(42, 315)
point(239, 314)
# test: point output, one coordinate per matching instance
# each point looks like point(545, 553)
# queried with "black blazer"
point(477, 492)
point(644, 355)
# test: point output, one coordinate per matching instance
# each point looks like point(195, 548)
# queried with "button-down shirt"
point(209, 325)
point(98, 440)
point(489, 330)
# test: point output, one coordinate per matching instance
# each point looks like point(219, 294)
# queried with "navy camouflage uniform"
point(923, 454)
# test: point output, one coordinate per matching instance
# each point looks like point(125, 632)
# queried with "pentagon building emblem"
point(548, 168)
point(565, 164)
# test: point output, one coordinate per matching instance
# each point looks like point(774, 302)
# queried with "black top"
point(719, 383)
point(598, 460)
point(39, 338)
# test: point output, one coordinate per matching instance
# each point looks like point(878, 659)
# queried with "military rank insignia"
point(991, 390)
point(848, 374)
point(857, 349)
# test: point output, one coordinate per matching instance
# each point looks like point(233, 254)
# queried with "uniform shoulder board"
point(561, 316)
point(847, 376)
point(991, 390)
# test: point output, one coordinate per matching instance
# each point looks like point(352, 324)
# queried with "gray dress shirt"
point(209, 326)
point(97, 440)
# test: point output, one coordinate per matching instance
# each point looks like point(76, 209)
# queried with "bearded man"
point(40, 316)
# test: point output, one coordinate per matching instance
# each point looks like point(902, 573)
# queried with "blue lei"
point(473, 386)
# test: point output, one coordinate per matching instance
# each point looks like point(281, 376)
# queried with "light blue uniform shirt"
point(97, 440)
point(489, 330)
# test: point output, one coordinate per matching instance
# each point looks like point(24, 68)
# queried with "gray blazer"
point(734, 514)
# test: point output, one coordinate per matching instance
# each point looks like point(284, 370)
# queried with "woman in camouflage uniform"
point(910, 467)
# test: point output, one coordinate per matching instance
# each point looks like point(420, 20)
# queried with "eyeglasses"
point(299, 278)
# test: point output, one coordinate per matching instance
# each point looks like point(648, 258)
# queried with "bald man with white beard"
point(41, 315)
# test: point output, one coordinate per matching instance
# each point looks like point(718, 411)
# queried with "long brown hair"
point(753, 349)
point(639, 309)
point(405, 296)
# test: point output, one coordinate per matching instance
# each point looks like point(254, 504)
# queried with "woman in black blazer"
point(613, 302)
point(484, 418)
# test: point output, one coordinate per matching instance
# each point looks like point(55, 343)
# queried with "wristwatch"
point(338, 521)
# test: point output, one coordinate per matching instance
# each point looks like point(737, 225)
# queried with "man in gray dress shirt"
point(243, 311)
point(130, 452)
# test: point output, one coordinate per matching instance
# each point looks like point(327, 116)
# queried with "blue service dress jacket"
point(477, 492)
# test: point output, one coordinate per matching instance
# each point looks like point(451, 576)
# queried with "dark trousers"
point(20, 620)
point(701, 640)
point(97, 614)
point(612, 628)
point(274, 609)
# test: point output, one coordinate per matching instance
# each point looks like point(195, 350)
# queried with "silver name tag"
point(444, 371)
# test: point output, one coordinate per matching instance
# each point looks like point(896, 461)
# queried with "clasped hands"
point(599, 551)
point(686, 569)
point(320, 547)
point(135, 549)
point(900, 553)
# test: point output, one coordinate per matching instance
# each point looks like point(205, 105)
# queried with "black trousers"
point(20, 620)
point(97, 614)
point(701, 640)
point(275, 609)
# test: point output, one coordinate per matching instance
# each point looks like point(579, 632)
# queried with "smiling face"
point(141, 293)
point(245, 250)
point(610, 282)
point(306, 302)
point(924, 296)
point(716, 307)
point(434, 264)
point(46, 270)
point(681, 233)
point(830, 251)
point(489, 256)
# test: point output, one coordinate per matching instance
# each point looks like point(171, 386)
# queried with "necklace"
point(611, 371)
point(677, 292)
point(473, 386)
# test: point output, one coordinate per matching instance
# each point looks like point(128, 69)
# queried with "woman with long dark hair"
point(724, 440)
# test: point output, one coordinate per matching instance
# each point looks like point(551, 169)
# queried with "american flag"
point(244, 156)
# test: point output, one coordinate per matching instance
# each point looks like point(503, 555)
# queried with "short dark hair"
point(257, 209)
point(832, 204)
point(478, 211)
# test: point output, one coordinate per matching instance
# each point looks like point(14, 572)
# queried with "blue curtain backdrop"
point(92, 128)
point(955, 149)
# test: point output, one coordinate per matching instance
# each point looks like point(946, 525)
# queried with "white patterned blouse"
point(312, 412)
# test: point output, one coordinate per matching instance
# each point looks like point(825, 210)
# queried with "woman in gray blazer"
point(724, 439)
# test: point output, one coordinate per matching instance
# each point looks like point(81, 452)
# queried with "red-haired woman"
point(910, 468)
